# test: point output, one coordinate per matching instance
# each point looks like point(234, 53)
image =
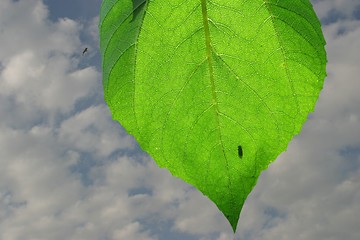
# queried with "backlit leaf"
point(212, 90)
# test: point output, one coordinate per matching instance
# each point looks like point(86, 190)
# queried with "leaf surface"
point(212, 90)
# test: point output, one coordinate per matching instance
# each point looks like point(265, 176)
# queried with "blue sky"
point(69, 172)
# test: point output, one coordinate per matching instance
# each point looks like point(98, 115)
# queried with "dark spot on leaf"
point(240, 151)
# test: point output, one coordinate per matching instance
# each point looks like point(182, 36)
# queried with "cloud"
point(55, 133)
point(331, 11)
point(31, 30)
point(48, 127)
point(39, 59)
point(86, 131)
point(131, 232)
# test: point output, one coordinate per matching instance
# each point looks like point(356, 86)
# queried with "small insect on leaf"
point(240, 151)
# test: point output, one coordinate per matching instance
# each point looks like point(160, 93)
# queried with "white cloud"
point(310, 192)
point(45, 83)
point(89, 131)
point(326, 8)
point(197, 216)
point(36, 181)
point(131, 232)
point(32, 30)
point(40, 80)
point(39, 59)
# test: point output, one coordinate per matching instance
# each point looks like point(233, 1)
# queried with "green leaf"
point(212, 90)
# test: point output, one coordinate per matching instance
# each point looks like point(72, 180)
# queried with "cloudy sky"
point(67, 171)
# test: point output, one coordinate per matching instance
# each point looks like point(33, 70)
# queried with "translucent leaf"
point(212, 90)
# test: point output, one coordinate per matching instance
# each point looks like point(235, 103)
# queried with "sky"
point(67, 171)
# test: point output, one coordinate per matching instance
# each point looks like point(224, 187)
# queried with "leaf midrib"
point(212, 80)
point(208, 50)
